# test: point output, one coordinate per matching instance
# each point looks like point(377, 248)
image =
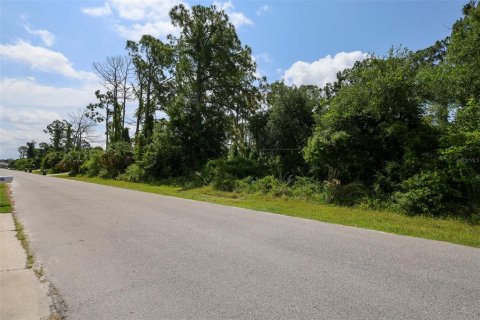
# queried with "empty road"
point(120, 254)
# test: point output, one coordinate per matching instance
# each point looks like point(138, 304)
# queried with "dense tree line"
point(399, 131)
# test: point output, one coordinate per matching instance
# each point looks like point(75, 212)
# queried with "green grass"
point(451, 230)
point(22, 237)
point(6, 207)
point(5, 202)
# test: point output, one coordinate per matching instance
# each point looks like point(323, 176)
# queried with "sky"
point(47, 47)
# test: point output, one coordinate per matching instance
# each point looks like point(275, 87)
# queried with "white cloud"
point(47, 37)
point(27, 93)
point(27, 107)
point(27, 117)
point(264, 56)
point(159, 29)
point(263, 10)
point(134, 18)
point(238, 19)
point(42, 59)
point(149, 10)
point(17, 126)
point(17, 135)
point(98, 11)
point(322, 71)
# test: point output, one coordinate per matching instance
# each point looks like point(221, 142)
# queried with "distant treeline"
point(400, 131)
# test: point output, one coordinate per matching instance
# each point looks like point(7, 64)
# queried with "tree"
point(152, 61)
point(101, 112)
point(213, 81)
point(373, 121)
point(288, 125)
point(57, 132)
point(83, 128)
point(463, 55)
point(30, 153)
point(114, 73)
point(22, 151)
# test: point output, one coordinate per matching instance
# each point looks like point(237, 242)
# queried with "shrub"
point(271, 185)
point(224, 182)
point(72, 161)
point(117, 158)
point(163, 157)
point(134, 173)
point(22, 164)
point(51, 160)
point(92, 166)
point(305, 187)
point(423, 194)
point(246, 184)
point(347, 195)
point(237, 167)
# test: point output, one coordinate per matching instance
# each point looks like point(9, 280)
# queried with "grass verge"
point(5, 202)
point(450, 230)
point(22, 237)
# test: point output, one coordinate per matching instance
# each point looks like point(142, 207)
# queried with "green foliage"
point(224, 173)
point(401, 130)
point(22, 164)
point(214, 84)
point(162, 158)
point(93, 165)
point(371, 121)
point(31, 149)
point(72, 161)
point(463, 55)
point(423, 194)
point(51, 160)
point(284, 129)
point(307, 188)
point(224, 182)
point(116, 159)
point(5, 203)
point(348, 195)
point(273, 186)
point(60, 132)
point(134, 173)
point(237, 167)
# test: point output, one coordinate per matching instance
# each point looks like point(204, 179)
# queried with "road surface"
point(120, 254)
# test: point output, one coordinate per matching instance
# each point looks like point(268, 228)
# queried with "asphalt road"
point(120, 254)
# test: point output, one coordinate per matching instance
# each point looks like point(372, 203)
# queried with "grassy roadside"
point(5, 202)
point(7, 207)
point(22, 237)
point(450, 230)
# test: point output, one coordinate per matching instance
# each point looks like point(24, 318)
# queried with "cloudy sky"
point(47, 47)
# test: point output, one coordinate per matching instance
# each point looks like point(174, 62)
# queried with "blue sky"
point(47, 47)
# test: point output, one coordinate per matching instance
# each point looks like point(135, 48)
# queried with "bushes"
point(237, 167)
point(51, 160)
point(271, 185)
point(348, 195)
point(162, 158)
point(223, 174)
point(306, 188)
point(224, 182)
point(23, 164)
point(116, 159)
point(423, 194)
point(92, 166)
point(134, 173)
point(72, 161)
